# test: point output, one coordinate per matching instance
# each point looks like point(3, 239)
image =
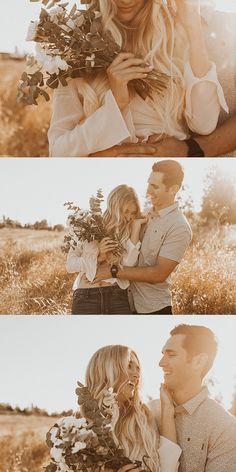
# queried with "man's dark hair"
point(198, 339)
point(172, 171)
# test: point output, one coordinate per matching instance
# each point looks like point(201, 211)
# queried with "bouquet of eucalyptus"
point(72, 44)
point(87, 225)
point(86, 443)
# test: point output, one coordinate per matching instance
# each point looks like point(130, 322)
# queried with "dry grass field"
point(23, 130)
point(22, 443)
point(33, 278)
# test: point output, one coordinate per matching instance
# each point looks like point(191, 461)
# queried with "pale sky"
point(41, 358)
point(34, 189)
point(17, 14)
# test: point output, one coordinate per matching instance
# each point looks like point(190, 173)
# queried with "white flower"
point(78, 446)
point(55, 12)
point(56, 454)
point(92, 62)
point(50, 64)
point(71, 421)
point(32, 31)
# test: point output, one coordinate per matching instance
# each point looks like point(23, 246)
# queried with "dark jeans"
point(164, 311)
point(101, 301)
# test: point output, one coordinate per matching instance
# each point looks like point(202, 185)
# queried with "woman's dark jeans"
point(110, 300)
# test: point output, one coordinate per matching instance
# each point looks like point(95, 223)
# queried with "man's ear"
point(174, 189)
point(200, 361)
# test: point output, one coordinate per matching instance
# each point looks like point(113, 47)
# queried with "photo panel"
point(118, 236)
point(65, 381)
point(115, 92)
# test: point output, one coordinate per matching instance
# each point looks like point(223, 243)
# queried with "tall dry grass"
point(205, 282)
point(22, 443)
point(23, 453)
point(23, 130)
point(33, 278)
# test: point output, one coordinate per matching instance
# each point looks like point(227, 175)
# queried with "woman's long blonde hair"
point(160, 39)
point(134, 427)
point(113, 217)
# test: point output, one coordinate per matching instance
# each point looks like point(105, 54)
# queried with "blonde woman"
point(95, 114)
point(134, 426)
point(123, 219)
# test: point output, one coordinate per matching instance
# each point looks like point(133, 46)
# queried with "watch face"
point(114, 270)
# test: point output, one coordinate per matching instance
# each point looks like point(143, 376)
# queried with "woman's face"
point(129, 381)
point(128, 9)
point(130, 211)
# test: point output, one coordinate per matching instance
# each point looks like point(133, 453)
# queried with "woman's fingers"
point(130, 63)
point(121, 57)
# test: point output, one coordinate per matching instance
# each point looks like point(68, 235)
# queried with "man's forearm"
point(221, 141)
point(150, 275)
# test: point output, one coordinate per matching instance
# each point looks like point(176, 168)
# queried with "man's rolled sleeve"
point(175, 243)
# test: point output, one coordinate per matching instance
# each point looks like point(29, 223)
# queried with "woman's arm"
point(204, 94)
point(136, 228)
point(71, 135)
point(168, 429)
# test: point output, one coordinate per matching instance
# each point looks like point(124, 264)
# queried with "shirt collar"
point(165, 211)
point(191, 405)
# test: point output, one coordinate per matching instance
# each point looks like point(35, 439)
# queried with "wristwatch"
point(194, 149)
point(114, 270)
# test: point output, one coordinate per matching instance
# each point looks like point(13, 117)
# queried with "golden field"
point(33, 278)
point(23, 130)
point(22, 443)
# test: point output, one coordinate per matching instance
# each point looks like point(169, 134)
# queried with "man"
point(165, 239)
point(205, 431)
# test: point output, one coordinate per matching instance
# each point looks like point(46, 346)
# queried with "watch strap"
point(194, 149)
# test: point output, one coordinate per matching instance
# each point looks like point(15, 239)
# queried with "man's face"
point(157, 192)
point(178, 369)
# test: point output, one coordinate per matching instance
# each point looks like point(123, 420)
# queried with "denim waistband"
point(94, 290)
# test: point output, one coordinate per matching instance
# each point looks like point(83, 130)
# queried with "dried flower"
point(87, 225)
point(73, 44)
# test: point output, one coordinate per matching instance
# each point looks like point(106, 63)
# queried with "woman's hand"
point(138, 222)
point(168, 428)
point(136, 227)
point(106, 246)
point(167, 404)
point(123, 69)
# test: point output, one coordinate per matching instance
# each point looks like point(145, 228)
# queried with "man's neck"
point(165, 205)
point(185, 394)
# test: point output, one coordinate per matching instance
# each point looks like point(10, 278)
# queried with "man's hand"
point(169, 147)
point(127, 150)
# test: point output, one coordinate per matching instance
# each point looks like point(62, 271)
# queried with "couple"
point(154, 245)
point(186, 431)
point(102, 114)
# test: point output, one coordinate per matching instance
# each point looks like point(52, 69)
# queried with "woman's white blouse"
point(70, 135)
point(169, 453)
point(83, 259)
